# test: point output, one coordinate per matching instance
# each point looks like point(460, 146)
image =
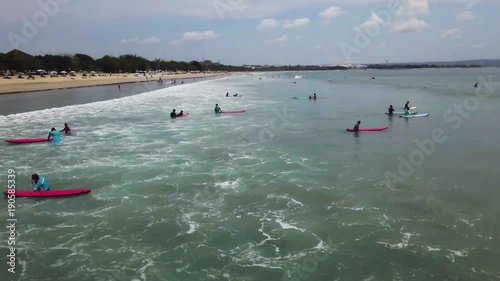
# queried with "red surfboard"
point(32, 140)
point(48, 193)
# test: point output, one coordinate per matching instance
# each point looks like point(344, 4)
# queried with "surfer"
point(310, 97)
point(217, 108)
point(314, 97)
point(235, 95)
point(180, 114)
point(407, 105)
point(227, 94)
point(475, 86)
point(66, 129)
point(39, 183)
point(54, 135)
point(173, 114)
point(356, 127)
point(391, 110)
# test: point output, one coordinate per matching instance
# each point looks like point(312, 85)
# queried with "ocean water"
point(280, 192)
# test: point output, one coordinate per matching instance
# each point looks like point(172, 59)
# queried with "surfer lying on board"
point(39, 183)
point(173, 114)
point(66, 129)
point(356, 127)
point(54, 135)
point(217, 108)
point(391, 110)
point(181, 113)
point(310, 97)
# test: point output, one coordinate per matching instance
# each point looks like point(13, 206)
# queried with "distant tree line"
point(413, 66)
point(125, 64)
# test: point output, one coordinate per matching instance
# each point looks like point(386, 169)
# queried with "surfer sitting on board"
point(173, 114)
point(391, 110)
point(66, 129)
point(39, 183)
point(356, 127)
point(314, 97)
point(180, 114)
point(227, 94)
point(217, 108)
point(54, 135)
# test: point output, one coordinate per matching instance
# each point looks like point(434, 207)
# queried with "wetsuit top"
point(180, 114)
point(217, 109)
point(356, 127)
point(66, 130)
point(173, 115)
point(56, 136)
point(41, 184)
point(391, 110)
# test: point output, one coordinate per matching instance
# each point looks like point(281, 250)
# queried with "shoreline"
point(15, 86)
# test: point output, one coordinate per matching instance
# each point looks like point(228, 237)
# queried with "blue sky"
point(257, 31)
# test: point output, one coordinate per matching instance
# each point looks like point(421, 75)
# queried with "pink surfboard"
point(369, 129)
point(48, 193)
point(184, 115)
point(32, 140)
point(233, 111)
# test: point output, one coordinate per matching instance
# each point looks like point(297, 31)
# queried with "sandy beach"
point(17, 85)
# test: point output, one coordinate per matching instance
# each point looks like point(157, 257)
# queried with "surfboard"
point(414, 115)
point(48, 193)
point(368, 129)
point(32, 140)
point(401, 112)
point(233, 111)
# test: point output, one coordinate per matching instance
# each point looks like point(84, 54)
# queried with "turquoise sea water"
point(280, 192)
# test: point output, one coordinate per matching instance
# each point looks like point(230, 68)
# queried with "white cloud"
point(317, 47)
point(296, 23)
point(452, 34)
point(149, 40)
point(472, 3)
point(468, 15)
point(196, 36)
point(413, 25)
point(277, 41)
point(373, 21)
point(268, 24)
point(407, 16)
point(129, 40)
point(331, 13)
point(413, 8)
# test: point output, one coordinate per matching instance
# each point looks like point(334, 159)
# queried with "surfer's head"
point(53, 129)
point(35, 177)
